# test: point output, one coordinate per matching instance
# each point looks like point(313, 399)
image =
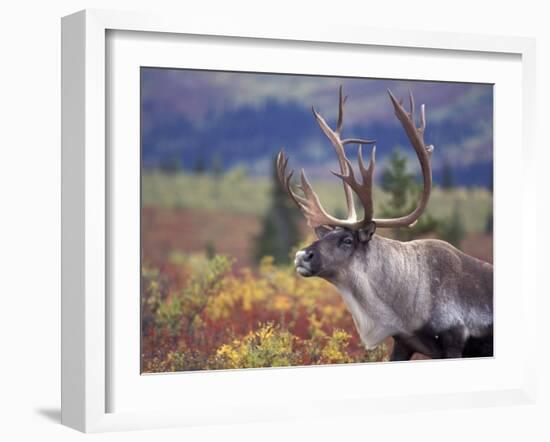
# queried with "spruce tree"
point(280, 226)
point(217, 174)
point(447, 178)
point(171, 165)
point(452, 230)
point(217, 166)
point(403, 193)
point(200, 165)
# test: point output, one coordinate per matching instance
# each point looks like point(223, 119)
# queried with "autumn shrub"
point(268, 346)
point(199, 313)
point(334, 351)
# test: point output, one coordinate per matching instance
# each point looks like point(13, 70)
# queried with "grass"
point(237, 193)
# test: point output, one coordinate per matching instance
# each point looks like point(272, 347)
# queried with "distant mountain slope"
point(250, 136)
point(195, 119)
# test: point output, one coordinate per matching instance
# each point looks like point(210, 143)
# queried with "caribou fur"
point(428, 295)
point(431, 297)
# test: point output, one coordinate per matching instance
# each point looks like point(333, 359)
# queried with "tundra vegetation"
point(210, 300)
point(202, 313)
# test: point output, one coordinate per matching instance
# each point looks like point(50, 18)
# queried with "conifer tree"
point(200, 165)
point(447, 178)
point(403, 193)
point(452, 230)
point(280, 226)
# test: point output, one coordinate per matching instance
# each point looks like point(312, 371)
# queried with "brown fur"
point(427, 294)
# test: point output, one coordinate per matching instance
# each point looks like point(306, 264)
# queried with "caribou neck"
point(381, 287)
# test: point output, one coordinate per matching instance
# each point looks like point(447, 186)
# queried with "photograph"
point(234, 221)
point(305, 220)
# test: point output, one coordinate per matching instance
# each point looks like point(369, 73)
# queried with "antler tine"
point(334, 138)
point(338, 144)
point(423, 152)
point(314, 212)
point(422, 118)
point(367, 172)
point(357, 141)
point(368, 175)
point(309, 204)
point(284, 179)
point(364, 189)
point(411, 103)
point(341, 101)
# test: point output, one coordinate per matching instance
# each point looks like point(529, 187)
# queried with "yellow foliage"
point(222, 319)
point(282, 303)
point(334, 351)
point(268, 346)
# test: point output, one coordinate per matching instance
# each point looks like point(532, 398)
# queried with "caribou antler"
point(310, 204)
point(364, 189)
point(338, 144)
point(423, 152)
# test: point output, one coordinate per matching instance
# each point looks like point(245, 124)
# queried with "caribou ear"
point(365, 234)
point(321, 231)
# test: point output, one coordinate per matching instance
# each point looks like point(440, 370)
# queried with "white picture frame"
point(87, 207)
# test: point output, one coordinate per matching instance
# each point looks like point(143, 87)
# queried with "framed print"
point(196, 265)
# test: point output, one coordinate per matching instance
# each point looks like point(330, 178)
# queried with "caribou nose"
point(303, 256)
point(299, 256)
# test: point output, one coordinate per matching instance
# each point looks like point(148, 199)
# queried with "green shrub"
point(268, 346)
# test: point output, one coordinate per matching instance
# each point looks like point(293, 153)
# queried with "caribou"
point(430, 297)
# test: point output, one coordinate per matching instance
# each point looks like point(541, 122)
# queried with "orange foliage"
point(199, 313)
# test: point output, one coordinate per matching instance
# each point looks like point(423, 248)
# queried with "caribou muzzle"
point(307, 262)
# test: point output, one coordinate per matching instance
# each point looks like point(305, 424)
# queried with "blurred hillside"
point(200, 213)
point(193, 118)
point(237, 193)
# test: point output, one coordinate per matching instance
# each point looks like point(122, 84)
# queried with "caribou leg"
point(452, 342)
point(401, 351)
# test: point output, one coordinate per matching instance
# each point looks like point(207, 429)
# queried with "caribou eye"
point(347, 241)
